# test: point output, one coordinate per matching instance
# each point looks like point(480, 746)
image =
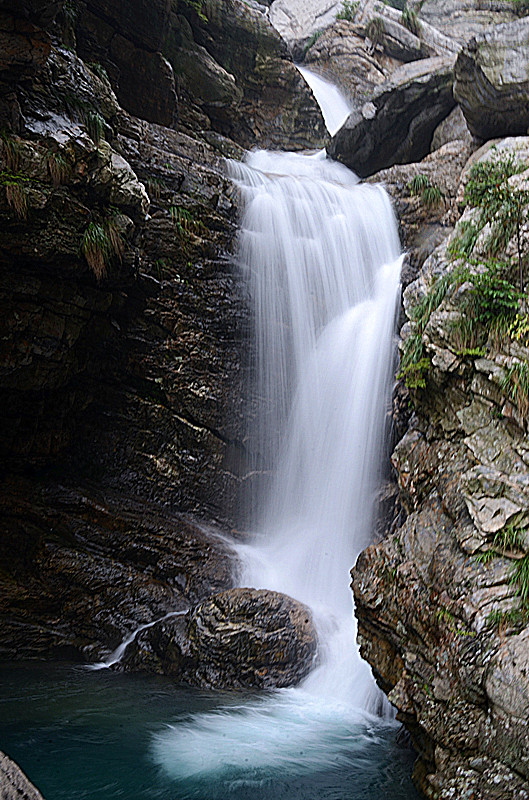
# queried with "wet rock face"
point(240, 639)
point(397, 124)
point(13, 783)
point(238, 70)
point(81, 568)
point(440, 622)
point(492, 81)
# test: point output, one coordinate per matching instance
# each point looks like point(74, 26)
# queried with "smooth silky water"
point(322, 258)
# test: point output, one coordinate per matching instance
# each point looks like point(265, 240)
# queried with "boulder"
point(14, 785)
point(397, 124)
point(463, 19)
point(492, 81)
point(239, 638)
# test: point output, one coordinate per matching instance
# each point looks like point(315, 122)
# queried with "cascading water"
point(322, 257)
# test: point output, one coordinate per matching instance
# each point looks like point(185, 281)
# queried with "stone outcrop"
point(238, 70)
point(440, 609)
point(14, 785)
point(241, 638)
point(463, 19)
point(492, 81)
point(83, 567)
point(396, 125)
point(298, 20)
point(342, 55)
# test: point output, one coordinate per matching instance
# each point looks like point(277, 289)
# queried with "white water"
point(334, 107)
point(321, 254)
point(116, 655)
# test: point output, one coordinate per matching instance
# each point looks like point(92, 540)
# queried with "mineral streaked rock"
point(241, 638)
point(492, 81)
point(426, 600)
point(14, 785)
point(397, 124)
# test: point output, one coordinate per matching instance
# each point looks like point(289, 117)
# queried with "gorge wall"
point(123, 385)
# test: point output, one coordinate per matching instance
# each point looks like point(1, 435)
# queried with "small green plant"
point(17, 192)
point(518, 328)
point(99, 70)
point(430, 194)
point(58, 167)
point(101, 242)
point(520, 579)
point(492, 297)
point(463, 243)
point(313, 39)
point(510, 537)
point(515, 383)
point(154, 187)
point(11, 151)
point(485, 557)
point(186, 223)
point(467, 336)
point(414, 373)
point(410, 19)
point(375, 30)
point(502, 206)
point(413, 364)
point(95, 125)
point(348, 10)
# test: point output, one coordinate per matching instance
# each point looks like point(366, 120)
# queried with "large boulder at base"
point(396, 126)
point(239, 638)
point(492, 81)
point(13, 783)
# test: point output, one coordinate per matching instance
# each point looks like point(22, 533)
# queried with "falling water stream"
point(322, 259)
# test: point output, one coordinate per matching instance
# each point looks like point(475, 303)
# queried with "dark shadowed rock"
point(492, 81)
point(397, 124)
point(240, 638)
point(13, 783)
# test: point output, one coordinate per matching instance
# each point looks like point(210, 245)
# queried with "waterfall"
point(322, 259)
point(334, 107)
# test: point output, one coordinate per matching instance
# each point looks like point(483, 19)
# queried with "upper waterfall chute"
point(334, 106)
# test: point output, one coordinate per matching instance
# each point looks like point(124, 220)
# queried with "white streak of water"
point(117, 654)
point(334, 107)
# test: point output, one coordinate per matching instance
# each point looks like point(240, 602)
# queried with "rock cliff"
point(124, 320)
point(442, 600)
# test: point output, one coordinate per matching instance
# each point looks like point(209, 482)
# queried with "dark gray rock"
point(492, 81)
point(397, 124)
point(240, 638)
